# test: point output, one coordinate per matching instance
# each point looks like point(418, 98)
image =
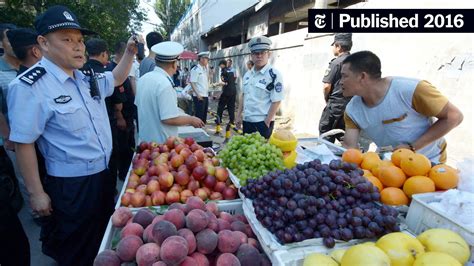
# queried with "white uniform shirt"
point(199, 76)
point(156, 100)
point(257, 98)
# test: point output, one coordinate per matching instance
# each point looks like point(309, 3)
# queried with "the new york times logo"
point(390, 20)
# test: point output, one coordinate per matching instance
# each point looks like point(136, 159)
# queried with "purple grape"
point(329, 242)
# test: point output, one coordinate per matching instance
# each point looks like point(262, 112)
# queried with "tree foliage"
point(170, 12)
point(112, 20)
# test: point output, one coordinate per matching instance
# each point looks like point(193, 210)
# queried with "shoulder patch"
point(33, 75)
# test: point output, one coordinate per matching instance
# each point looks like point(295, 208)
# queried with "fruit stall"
point(288, 201)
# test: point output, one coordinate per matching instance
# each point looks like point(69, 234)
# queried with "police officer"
point(64, 110)
point(262, 91)
point(156, 99)
point(25, 46)
point(200, 85)
point(97, 62)
point(227, 98)
point(333, 114)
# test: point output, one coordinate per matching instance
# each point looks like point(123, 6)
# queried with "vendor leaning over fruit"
point(63, 110)
point(395, 112)
point(156, 99)
point(262, 91)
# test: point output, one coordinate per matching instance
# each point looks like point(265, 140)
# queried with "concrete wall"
point(446, 60)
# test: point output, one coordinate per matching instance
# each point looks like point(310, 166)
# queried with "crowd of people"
point(68, 121)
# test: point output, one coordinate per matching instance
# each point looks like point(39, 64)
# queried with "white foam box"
point(421, 216)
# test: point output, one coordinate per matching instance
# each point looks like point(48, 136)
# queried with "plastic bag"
point(466, 175)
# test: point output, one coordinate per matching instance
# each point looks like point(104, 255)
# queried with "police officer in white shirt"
point(262, 91)
point(156, 99)
point(200, 84)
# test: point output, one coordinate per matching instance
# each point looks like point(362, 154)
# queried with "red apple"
point(183, 168)
point(189, 141)
point(215, 161)
point(201, 193)
point(158, 198)
point(153, 145)
point(182, 178)
point(137, 199)
point(208, 191)
point(199, 172)
point(186, 152)
point(180, 147)
point(165, 179)
point(194, 147)
point(172, 196)
point(125, 199)
point(143, 146)
point(216, 196)
point(130, 190)
point(176, 187)
point(144, 179)
point(193, 185)
point(162, 168)
point(185, 194)
point(177, 161)
point(140, 170)
point(211, 170)
point(133, 184)
point(133, 177)
point(152, 186)
point(152, 170)
point(141, 188)
point(219, 187)
point(222, 174)
point(200, 155)
point(191, 162)
point(148, 201)
point(154, 178)
point(229, 193)
point(209, 181)
point(163, 148)
point(170, 142)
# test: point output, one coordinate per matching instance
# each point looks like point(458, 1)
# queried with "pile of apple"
point(171, 172)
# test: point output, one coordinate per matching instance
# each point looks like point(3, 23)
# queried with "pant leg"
point(248, 127)
point(220, 108)
point(265, 131)
point(81, 209)
point(231, 108)
point(206, 107)
point(126, 142)
point(114, 156)
point(198, 107)
point(15, 250)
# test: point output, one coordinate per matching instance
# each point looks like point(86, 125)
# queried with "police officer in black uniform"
point(333, 114)
point(125, 133)
point(227, 98)
point(98, 60)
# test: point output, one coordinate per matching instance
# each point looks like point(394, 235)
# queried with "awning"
point(188, 55)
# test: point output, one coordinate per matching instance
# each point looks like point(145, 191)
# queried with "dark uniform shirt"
point(116, 98)
point(333, 77)
point(229, 78)
point(129, 110)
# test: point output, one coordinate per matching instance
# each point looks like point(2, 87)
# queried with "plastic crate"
point(232, 207)
point(421, 216)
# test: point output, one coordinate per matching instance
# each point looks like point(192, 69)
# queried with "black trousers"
point(81, 209)
point(114, 156)
point(126, 143)
point(260, 127)
point(200, 108)
point(229, 102)
point(332, 118)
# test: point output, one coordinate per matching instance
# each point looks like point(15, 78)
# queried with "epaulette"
point(33, 75)
point(195, 66)
point(86, 72)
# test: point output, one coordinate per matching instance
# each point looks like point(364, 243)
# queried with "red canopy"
point(188, 55)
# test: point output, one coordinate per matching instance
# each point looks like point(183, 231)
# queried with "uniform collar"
point(161, 70)
point(56, 71)
point(263, 70)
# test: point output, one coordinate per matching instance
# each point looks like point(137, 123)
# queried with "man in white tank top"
point(395, 112)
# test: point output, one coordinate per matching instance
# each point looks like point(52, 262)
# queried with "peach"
point(144, 217)
point(206, 241)
point(128, 246)
point(196, 203)
point(188, 261)
point(148, 254)
point(200, 258)
point(190, 238)
point(227, 259)
point(174, 250)
point(121, 216)
point(196, 220)
point(228, 242)
point(248, 255)
point(176, 217)
point(162, 230)
point(107, 258)
point(132, 229)
point(238, 226)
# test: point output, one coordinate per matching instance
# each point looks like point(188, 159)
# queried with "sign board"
point(258, 24)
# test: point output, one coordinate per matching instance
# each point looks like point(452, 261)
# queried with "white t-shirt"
point(156, 100)
point(134, 71)
point(200, 78)
point(257, 98)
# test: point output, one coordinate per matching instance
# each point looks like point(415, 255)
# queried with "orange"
point(352, 156)
point(444, 176)
point(375, 181)
point(418, 184)
point(370, 159)
point(393, 196)
point(415, 164)
point(376, 170)
point(367, 173)
point(399, 154)
point(392, 176)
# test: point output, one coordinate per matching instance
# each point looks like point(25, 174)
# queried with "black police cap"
point(342, 38)
point(57, 18)
point(22, 37)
